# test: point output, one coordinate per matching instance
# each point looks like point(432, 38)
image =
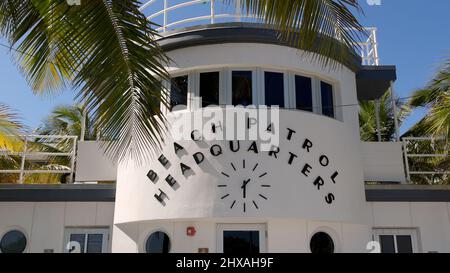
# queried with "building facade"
point(302, 189)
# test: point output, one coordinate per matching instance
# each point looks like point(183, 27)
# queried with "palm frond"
point(10, 127)
point(107, 50)
point(326, 27)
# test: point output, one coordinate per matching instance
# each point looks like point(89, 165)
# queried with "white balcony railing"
point(175, 14)
point(426, 159)
point(38, 149)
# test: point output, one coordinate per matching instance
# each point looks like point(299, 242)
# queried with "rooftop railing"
point(427, 160)
point(36, 156)
point(176, 14)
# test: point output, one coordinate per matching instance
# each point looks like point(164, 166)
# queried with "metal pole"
point(238, 10)
point(212, 12)
point(377, 119)
point(394, 108)
point(375, 46)
point(72, 160)
point(83, 125)
point(405, 154)
point(165, 16)
point(22, 164)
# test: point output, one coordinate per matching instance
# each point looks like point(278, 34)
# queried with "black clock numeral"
point(266, 186)
point(262, 174)
point(254, 203)
point(225, 196)
point(263, 196)
point(244, 207)
point(232, 205)
point(225, 174)
point(243, 164)
point(254, 168)
point(232, 165)
point(222, 186)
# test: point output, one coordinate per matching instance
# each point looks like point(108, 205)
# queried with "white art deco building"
point(319, 189)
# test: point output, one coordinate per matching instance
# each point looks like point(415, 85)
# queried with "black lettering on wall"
point(274, 150)
point(250, 122)
point(329, 198)
point(234, 148)
point(216, 150)
point(291, 158)
point(199, 157)
point(196, 136)
point(184, 168)
point(319, 182)
point(161, 196)
point(177, 147)
point(307, 144)
point(290, 133)
point(171, 181)
point(324, 161)
point(152, 176)
point(253, 147)
point(306, 169)
point(164, 161)
point(333, 177)
point(214, 127)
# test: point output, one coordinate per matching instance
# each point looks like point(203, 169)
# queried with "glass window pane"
point(13, 241)
point(80, 238)
point(327, 99)
point(157, 242)
point(95, 243)
point(321, 242)
point(242, 88)
point(241, 242)
point(303, 93)
point(209, 88)
point(178, 91)
point(274, 88)
point(387, 244)
point(404, 244)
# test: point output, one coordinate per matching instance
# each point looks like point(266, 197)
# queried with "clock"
point(245, 186)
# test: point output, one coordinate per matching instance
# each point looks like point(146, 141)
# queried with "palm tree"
point(10, 128)
point(435, 96)
point(367, 118)
point(108, 51)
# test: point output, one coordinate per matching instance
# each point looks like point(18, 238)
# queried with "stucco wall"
point(43, 223)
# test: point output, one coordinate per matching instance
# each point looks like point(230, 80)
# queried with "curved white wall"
point(277, 58)
point(292, 194)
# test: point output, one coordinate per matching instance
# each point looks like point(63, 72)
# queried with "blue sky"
point(413, 35)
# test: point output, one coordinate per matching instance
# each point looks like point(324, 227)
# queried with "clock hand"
point(244, 188)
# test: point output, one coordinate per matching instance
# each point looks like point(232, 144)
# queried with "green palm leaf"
point(326, 27)
point(107, 50)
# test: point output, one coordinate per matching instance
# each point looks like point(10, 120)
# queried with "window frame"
point(258, 87)
point(261, 228)
point(188, 94)
point(149, 233)
point(413, 232)
point(17, 228)
point(105, 231)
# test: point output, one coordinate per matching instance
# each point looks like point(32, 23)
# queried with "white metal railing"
point(29, 154)
point(431, 152)
point(216, 11)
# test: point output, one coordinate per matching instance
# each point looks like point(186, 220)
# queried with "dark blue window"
point(209, 88)
point(178, 91)
point(274, 88)
point(303, 93)
point(158, 242)
point(327, 99)
point(241, 242)
point(242, 87)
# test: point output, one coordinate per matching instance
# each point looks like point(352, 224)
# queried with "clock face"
point(246, 185)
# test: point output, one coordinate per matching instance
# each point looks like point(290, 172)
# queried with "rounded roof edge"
point(232, 33)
